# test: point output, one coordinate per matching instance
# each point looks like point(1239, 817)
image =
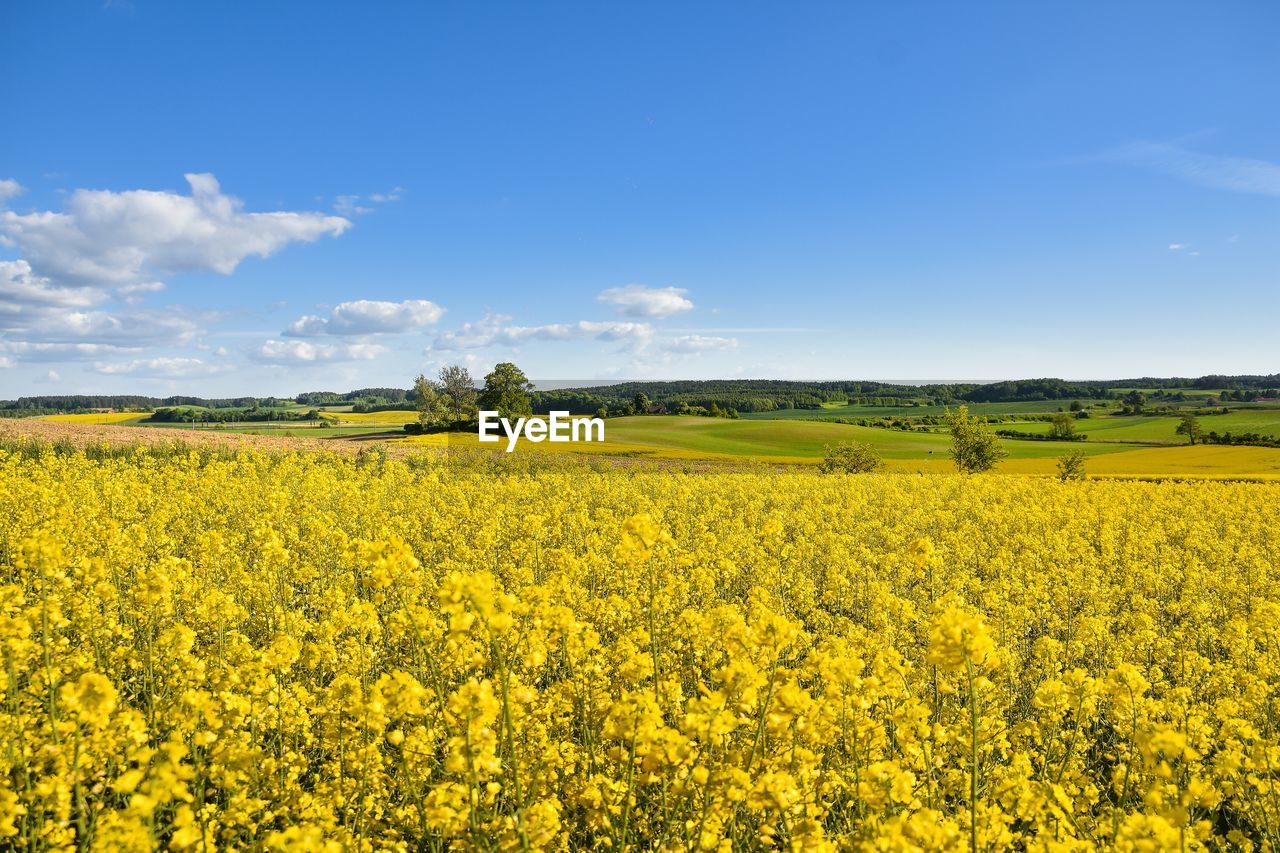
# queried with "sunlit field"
point(98, 418)
point(1164, 429)
point(206, 647)
point(804, 443)
point(395, 418)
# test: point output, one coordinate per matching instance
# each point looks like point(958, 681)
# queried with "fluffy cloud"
point(9, 188)
point(20, 288)
point(636, 300)
point(163, 368)
point(114, 245)
point(6, 362)
point(305, 352)
point(369, 317)
point(497, 330)
point(111, 239)
point(34, 308)
point(166, 326)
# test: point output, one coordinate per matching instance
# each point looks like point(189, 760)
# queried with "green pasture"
point(1162, 428)
point(793, 439)
point(1033, 407)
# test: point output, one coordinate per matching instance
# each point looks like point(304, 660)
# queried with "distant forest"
point(741, 395)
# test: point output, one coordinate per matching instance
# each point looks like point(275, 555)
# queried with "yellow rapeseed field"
point(96, 417)
point(301, 651)
point(395, 418)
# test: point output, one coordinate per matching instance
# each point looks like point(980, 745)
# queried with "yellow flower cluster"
point(307, 652)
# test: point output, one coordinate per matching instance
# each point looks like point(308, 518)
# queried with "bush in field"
point(1063, 426)
point(974, 448)
point(850, 457)
point(1071, 466)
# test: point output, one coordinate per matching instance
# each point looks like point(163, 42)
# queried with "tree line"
point(226, 416)
point(739, 395)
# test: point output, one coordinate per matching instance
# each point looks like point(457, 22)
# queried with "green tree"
point(850, 457)
point(1071, 466)
point(427, 401)
point(1190, 427)
point(1063, 426)
point(974, 448)
point(640, 403)
point(459, 392)
point(1133, 402)
point(506, 391)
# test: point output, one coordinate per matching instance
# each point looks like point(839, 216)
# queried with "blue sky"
point(250, 198)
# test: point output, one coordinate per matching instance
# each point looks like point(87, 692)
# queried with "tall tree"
point(1190, 427)
point(506, 391)
point(1134, 402)
point(427, 400)
point(459, 392)
point(1063, 426)
point(974, 448)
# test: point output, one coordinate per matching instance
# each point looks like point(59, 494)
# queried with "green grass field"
point(859, 411)
point(801, 442)
point(787, 441)
point(1162, 429)
point(1117, 446)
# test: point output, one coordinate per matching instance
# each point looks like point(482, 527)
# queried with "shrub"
point(1071, 466)
point(974, 448)
point(850, 457)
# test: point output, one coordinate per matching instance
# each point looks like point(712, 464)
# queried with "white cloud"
point(636, 300)
point(52, 376)
point(135, 328)
point(47, 352)
point(9, 188)
point(497, 330)
point(134, 292)
point(1237, 174)
point(165, 368)
point(383, 198)
point(698, 343)
point(349, 205)
point(20, 289)
point(107, 244)
point(106, 238)
point(305, 352)
point(369, 317)
point(6, 362)
point(752, 330)
point(357, 205)
point(1177, 246)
